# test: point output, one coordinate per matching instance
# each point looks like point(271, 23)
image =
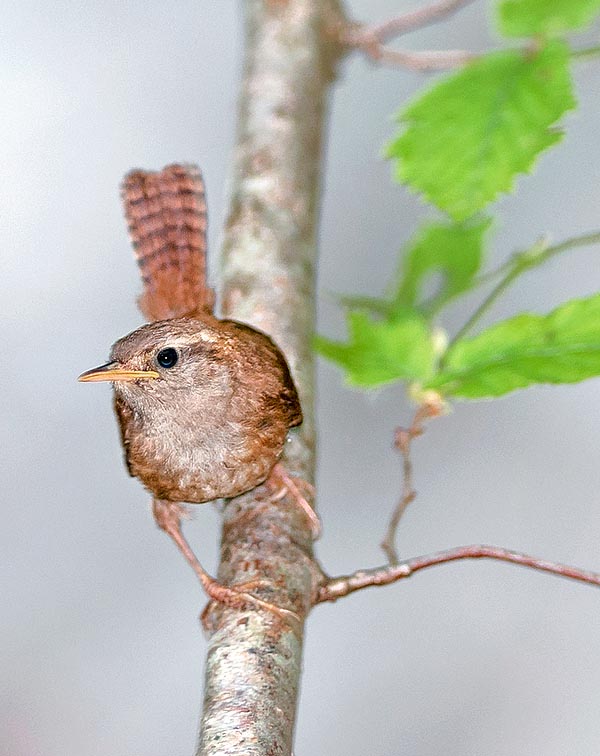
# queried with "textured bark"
point(269, 252)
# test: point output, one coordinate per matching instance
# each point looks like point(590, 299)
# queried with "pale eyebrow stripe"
point(205, 336)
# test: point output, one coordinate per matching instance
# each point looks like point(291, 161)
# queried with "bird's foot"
point(168, 516)
point(237, 597)
point(283, 483)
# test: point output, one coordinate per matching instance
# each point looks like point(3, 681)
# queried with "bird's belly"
point(199, 472)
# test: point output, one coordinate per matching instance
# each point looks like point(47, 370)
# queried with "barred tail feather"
point(166, 214)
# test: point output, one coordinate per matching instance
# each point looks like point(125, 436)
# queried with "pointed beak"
point(113, 372)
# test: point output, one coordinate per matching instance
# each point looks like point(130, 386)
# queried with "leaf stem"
point(497, 291)
point(586, 52)
point(536, 255)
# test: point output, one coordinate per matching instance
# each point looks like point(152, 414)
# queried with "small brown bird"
point(204, 404)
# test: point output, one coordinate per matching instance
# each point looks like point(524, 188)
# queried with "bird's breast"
point(199, 461)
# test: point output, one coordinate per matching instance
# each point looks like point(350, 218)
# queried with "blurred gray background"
point(102, 649)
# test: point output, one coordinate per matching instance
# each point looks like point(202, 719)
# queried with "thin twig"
point(402, 441)
point(408, 22)
point(370, 39)
point(358, 37)
point(341, 586)
point(422, 61)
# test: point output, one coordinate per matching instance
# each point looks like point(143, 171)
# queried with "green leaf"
point(561, 347)
point(381, 351)
point(469, 136)
point(454, 250)
point(528, 18)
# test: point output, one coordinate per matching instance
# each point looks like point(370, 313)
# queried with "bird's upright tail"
point(166, 214)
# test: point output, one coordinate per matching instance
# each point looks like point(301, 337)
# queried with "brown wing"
point(166, 214)
point(282, 393)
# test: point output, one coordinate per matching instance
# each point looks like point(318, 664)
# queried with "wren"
point(204, 404)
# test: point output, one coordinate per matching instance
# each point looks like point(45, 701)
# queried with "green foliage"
point(388, 344)
point(463, 142)
point(454, 250)
point(380, 351)
point(469, 136)
point(561, 347)
point(527, 18)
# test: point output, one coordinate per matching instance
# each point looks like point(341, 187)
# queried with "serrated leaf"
point(528, 18)
point(381, 351)
point(561, 347)
point(453, 250)
point(468, 137)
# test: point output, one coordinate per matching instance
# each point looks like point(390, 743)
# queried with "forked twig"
point(371, 39)
point(338, 587)
point(403, 440)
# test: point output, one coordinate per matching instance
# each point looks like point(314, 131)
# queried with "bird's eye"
point(167, 357)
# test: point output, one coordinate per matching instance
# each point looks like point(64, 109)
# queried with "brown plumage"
point(204, 404)
point(212, 424)
point(215, 423)
point(166, 214)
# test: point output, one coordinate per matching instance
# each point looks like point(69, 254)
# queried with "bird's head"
point(165, 360)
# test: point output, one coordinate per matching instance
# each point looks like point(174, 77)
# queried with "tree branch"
point(371, 39)
point(338, 587)
point(269, 250)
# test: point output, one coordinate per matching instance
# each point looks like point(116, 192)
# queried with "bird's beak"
point(113, 372)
